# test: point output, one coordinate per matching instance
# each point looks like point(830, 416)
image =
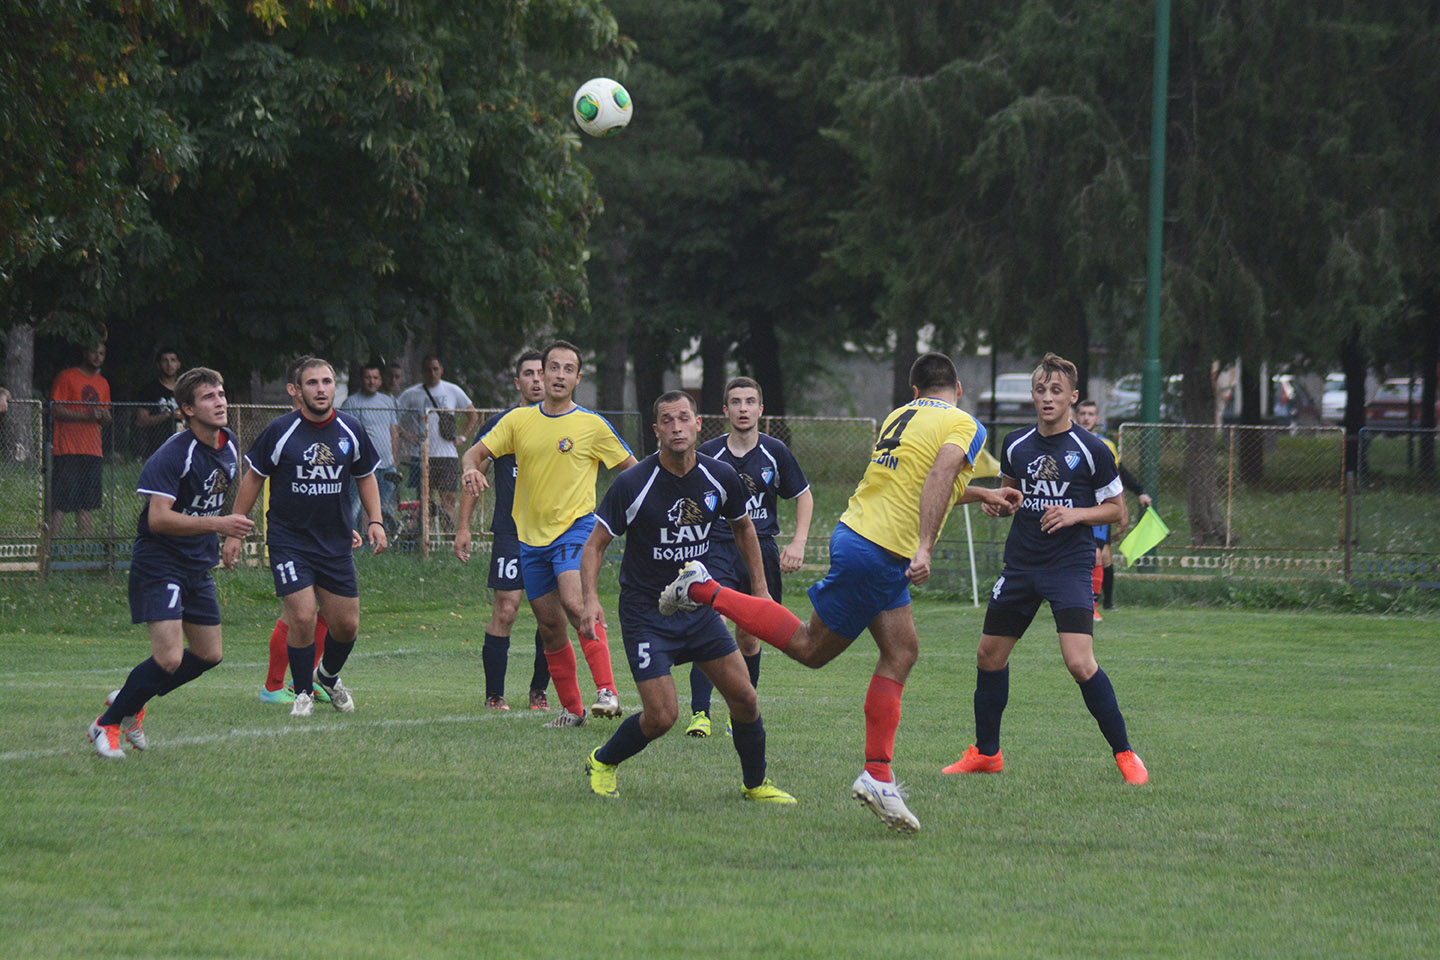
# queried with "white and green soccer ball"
point(602, 107)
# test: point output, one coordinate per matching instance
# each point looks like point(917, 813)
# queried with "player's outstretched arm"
point(369, 489)
point(793, 556)
point(463, 513)
point(165, 519)
point(472, 469)
point(591, 556)
point(1000, 502)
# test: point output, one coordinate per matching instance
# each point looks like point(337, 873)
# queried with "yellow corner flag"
point(1145, 537)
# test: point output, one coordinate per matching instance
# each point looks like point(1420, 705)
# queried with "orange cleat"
point(1098, 618)
point(976, 762)
point(1132, 767)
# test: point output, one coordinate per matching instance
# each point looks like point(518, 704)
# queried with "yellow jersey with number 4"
point(556, 461)
point(885, 507)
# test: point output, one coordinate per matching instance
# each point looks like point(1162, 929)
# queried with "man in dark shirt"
point(156, 421)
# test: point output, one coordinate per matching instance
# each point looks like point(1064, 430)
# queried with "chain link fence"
point(1253, 502)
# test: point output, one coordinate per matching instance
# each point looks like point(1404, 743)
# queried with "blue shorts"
point(729, 570)
point(864, 580)
point(505, 562)
point(294, 570)
point(158, 595)
point(1102, 534)
point(654, 644)
point(1016, 597)
point(540, 567)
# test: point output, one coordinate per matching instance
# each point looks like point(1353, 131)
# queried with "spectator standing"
point(442, 430)
point(82, 406)
point(155, 422)
point(377, 414)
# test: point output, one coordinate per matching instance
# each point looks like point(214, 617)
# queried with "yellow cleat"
point(766, 792)
point(602, 775)
point(699, 725)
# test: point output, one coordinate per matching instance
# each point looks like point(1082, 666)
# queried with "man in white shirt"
point(377, 413)
point(445, 402)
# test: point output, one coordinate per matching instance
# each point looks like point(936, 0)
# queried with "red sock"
point(1097, 579)
point(562, 672)
point(757, 616)
point(321, 629)
point(597, 655)
point(882, 718)
point(279, 656)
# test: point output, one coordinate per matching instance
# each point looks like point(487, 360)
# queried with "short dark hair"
point(1053, 363)
point(305, 363)
point(526, 357)
point(933, 371)
point(371, 366)
point(561, 345)
point(189, 382)
point(671, 396)
point(1087, 403)
point(743, 383)
point(164, 350)
point(425, 360)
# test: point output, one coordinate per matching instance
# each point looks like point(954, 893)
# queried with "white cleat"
point(340, 697)
point(886, 801)
point(567, 719)
point(130, 726)
point(676, 596)
point(607, 704)
point(303, 706)
point(106, 740)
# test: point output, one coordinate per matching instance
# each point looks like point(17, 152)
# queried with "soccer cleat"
point(130, 726)
point(339, 697)
point(976, 762)
point(886, 801)
point(496, 703)
point(303, 706)
point(538, 700)
point(317, 692)
point(767, 792)
point(602, 775)
point(567, 719)
point(699, 725)
point(1098, 618)
point(676, 596)
point(1132, 767)
point(607, 704)
point(729, 727)
point(283, 695)
point(106, 739)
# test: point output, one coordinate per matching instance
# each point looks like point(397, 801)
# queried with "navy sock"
point(750, 744)
point(701, 690)
point(752, 666)
point(146, 680)
point(1107, 586)
point(495, 654)
point(336, 653)
point(1100, 699)
point(540, 678)
point(302, 667)
point(624, 743)
point(992, 692)
point(190, 667)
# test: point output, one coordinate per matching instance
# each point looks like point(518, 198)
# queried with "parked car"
point(1332, 402)
point(1396, 403)
point(1124, 401)
point(1008, 399)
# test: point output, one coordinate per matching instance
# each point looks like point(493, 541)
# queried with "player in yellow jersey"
point(558, 448)
point(919, 469)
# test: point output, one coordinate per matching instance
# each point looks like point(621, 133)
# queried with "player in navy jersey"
point(769, 471)
point(504, 576)
point(667, 507)
point(184, 483)
point(307, 454)
point(1070, 483)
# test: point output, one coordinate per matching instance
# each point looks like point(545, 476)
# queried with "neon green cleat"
point(317, 691)
point(283, 695)
point(699, 725)
point(767, 792)
point(602, 776)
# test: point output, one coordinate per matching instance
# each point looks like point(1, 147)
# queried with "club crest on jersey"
point(1072, 459)
point(344, 447)
point(688, 521)
point(711, 499)
point(767, 474)
point(565, 445)
point(319, 463)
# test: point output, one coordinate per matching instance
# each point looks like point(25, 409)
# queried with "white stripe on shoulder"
point(190, 455)
point(280, 444)
point(1089, 460)
point(1010, 450)
point(718, 486)
point(634, 507)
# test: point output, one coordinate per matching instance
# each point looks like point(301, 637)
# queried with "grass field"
point(1290, 812)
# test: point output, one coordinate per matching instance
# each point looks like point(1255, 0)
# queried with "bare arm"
point(473, 466)
point(591, 557)
point(369, 489)
point(463, 537)
point(793, 555)
point(935, 500)
point(472, 417)
point(165, 519)
point(1111, 510)
point(244, 501)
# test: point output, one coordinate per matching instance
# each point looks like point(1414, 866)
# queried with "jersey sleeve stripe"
point(724, 498)
point(280, 444)
point(1112, 489)
point(634, 508)
point(1089, 459)
point(355, 446)
point(1010, 450)
point(601, 520)
point(189, 457)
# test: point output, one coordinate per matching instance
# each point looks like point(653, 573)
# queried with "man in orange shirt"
point(82, 405)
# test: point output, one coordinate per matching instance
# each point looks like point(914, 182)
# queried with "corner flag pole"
point(1150, 389)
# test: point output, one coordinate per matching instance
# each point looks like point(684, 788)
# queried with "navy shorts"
point(294, 570)
point(157, 595)
point(654, 644)
point(864, 580)
point(505, 563)
point(1016, 597)
point(541, 566)
point(729, 570)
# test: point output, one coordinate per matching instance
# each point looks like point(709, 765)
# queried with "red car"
point(1397, 404)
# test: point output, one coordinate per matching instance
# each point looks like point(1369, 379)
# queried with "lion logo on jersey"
point(217, 483)
point(318, 453)
point(685, 512)
point(1043, 467)
point(749, 482)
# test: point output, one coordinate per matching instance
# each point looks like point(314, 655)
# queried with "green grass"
point(1290, 813)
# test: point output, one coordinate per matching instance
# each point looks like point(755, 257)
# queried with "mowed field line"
point(16, 678)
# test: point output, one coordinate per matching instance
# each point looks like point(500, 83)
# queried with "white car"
point(1332, 402)
point(1008, 399)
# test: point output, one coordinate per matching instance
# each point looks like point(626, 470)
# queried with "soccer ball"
point(602, 107)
